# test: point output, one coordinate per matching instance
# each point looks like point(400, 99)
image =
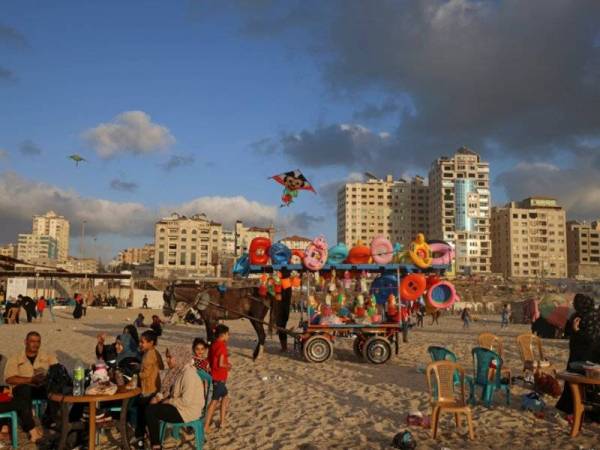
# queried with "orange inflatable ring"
point(361, 254)
point(382, 250)
point(420, 252)
point(299, 254)
point(259, 251)
point(412, 286)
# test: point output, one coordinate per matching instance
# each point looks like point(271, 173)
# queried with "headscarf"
point(182, 356)
point(129, 348)
point(583, 304)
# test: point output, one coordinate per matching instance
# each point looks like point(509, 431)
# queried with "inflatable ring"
point(412, 286)
point(441, 295)
point(360, 254)
point(420, 253)
point(259, 251)
point(280, 254)
point(337, 254)
point(315, 254)
point(382, 250)
point(298, 254)
point(442, 253)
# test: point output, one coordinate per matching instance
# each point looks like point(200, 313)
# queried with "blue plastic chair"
point(196, 425)
point(12, 415)
point(441, 354)
point(37, 407)
point(482, 359)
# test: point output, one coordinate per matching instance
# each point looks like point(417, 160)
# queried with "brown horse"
point(215, 304)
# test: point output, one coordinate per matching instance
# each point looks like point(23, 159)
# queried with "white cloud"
point(129, 132)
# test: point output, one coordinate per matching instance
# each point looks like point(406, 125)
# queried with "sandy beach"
point(283, 402)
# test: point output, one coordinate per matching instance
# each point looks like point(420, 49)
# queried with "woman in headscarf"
point(178, 401)
point(584, 342)
point(128, 356)
point(108, 352)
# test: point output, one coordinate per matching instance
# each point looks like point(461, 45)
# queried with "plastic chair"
point(449, 399)
point(198, 424)
point(12, 415)
point(37, 406)
point(494, 343)
point(441, 354)
point(531, 363)
point(487, 366)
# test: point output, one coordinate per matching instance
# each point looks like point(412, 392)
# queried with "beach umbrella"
point(559, 316)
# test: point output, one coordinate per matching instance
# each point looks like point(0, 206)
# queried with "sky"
point(190, 106)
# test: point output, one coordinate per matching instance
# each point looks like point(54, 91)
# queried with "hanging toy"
point(363, 282)
point(391, 308)
point(328, 300)
point(359, 309)
point(262, 288)
point(347, 280)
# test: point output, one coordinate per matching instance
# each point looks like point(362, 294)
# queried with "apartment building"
point(8, 250)
point(51, 224)
point(583, 249)
point(228, 242)
point(396, 209)
point(137, 255)
point(459, 209)
point(36, 248)
point(79, 265)
point(244, 236)
point(186, 247)
point(529, 239)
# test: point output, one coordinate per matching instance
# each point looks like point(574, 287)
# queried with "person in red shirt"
point(41, 306)
point(219, 370)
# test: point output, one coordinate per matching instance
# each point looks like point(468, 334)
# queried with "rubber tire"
point(377, 350)
point(320, 344)
point(358, 346)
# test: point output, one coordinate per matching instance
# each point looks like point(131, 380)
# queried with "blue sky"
point(249, 89)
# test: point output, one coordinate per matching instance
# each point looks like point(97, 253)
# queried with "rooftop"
point(296, 239)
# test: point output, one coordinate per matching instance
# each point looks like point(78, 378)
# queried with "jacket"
point(152, 364)
point(187, 395)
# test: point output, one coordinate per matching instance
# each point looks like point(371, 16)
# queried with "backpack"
point(58, 380)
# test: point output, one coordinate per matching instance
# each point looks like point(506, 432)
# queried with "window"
point(161, 258)
point(182, 259)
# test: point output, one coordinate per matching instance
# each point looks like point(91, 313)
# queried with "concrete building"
point(528, 239)
point(583, 249)
point(36, 248)
point(227, 242)
point(296, 242)
point(137, 255)
point(51, 224)
point(459, 208)
point(186, 247)
point(79, 265)
point(8, 250)
point(244, 235)
point(396, 209)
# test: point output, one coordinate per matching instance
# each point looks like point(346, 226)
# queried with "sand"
point(283, 402)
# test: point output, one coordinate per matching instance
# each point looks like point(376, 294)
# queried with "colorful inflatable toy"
point(315, 254)
point(359, 254)
point(382, 250)
point(242, 265)
point(259, 251)
point(384, 286)
point(297, 256)
point(442, 253)
point(441, 295)
point(337, 254)
point(280, 254)
point(412, 286)
point(420, 253)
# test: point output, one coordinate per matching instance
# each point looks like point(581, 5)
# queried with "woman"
point(107, 352)
point(128, 356)
point(584, 343)
point(178, 401)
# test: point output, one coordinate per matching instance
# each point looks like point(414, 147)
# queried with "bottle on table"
point(79, 379)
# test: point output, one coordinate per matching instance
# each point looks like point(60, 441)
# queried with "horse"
point(215, 303)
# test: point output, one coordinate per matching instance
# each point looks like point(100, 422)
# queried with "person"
point(128, 356)
point(78, 310)
point(139, 322)
point(152, 364)
point(435, 315)
point(41, 306)
point(50, 305)
point(26, 372)
point(405, 319)
point(29, 306)
point(178, 400)
point(420, 315)
point(156, 325)
point(282, 312)
point(199, 348)
point(107, 352)
point(219, 369)
point(504, 316)
point(145, 302)
point(465, 315)
point(25, 415)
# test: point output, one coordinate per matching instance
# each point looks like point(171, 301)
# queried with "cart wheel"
point(358, 346)
point(377, 350)
point(318, 349)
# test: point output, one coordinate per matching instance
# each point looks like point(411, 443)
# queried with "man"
point(26, 371)
point(29, 306)
point(145, 302)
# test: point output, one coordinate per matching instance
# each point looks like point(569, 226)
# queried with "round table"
point(122, 394)
point(577, 383)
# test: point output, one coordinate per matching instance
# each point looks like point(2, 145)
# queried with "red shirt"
point(218, 348)
point(41, 305)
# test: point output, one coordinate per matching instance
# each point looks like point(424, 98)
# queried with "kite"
point(77, 159)
point(293, 182)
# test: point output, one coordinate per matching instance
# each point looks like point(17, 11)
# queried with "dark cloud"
point(176, 161)
point(12, 37)
point(7, 74)
point(265, 146)
point(29, 148)
point(374, 112)
point(123, 186)
point(328, 191)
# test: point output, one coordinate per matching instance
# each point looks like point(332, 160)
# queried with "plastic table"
point(577, 383)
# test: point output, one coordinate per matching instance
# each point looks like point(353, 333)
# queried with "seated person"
point(178, 401)
point(107, 352)
point(139, 322)
point(24, 413)
point(128, 356)
point(156, 325)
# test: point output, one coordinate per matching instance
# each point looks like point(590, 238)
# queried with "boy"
point(220, 366)
point(152, 364)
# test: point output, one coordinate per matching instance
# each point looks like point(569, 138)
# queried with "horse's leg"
point(260, 332)
point(283, 315)
point(209, 329)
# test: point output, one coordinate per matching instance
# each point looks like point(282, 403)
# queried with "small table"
point(121, 394)
point(577, 382)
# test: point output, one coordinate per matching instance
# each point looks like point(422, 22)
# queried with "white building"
point(37, 249)
point(51, 224)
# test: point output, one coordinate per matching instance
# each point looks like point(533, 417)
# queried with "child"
point(152, 364)
point(41, 306)
point(156, 325)
point(199, 348)
point(139, 322)
point(220, 366)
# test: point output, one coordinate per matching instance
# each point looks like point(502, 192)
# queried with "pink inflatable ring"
point(442, 253)
point(441, 295)
point(315, 254)
point(382, 250)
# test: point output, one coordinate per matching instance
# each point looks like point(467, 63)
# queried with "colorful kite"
point(293, 182)
point(77, 159)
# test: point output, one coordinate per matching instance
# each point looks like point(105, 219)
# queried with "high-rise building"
point(228, 242)
point(528, 239)
point(186, 247)
point(396, 209)
point(51, 224)
point(8, 250)
point(583, 249)
point(37, 248)
point(137, 255)
point(244, 236)
point(459, 208)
